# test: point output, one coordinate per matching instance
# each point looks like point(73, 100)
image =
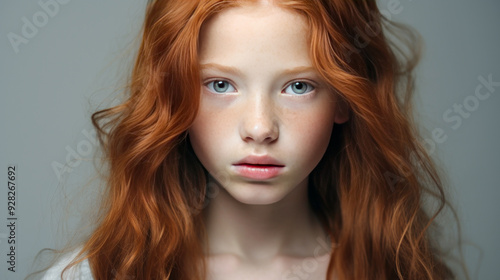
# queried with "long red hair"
point(368, 189)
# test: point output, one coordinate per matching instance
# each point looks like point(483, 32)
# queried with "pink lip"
point(258, 167)
point(259, 160)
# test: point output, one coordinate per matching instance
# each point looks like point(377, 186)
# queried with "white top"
point(80, 271)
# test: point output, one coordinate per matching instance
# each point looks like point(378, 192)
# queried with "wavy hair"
point(368, 189)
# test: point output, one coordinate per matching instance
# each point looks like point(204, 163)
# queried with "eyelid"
point(312, 84)
point(206, 82)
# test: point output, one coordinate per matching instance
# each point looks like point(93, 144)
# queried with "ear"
point(342, 110)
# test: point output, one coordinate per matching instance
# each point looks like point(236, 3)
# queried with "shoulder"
point(80, 271)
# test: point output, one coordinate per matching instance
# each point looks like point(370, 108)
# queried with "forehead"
point(263, 31)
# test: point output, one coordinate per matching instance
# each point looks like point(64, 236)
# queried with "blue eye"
point(220, 86)
point(299, 88)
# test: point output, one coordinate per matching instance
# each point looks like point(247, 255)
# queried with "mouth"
point(259, 161)
point(258, 165)
point(262, 168)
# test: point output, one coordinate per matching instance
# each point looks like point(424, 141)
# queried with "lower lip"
point(258, 172)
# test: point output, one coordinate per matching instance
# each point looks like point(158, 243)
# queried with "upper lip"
point(259, 160)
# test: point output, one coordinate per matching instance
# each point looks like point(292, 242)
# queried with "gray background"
point(76, 59)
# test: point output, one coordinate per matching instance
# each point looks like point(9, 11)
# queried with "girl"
point(264, 140)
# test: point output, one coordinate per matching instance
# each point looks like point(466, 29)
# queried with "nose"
point(259, 123)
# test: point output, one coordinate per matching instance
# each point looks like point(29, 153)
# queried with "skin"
point(262, 229)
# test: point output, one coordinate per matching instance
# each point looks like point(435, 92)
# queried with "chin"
point(256, 194)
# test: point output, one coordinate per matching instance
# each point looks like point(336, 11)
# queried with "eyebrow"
point(236, 71)
point(222, 68)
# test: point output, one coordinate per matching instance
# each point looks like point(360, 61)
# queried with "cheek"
point(207, 134)
point(201, 134)
point(311, 133)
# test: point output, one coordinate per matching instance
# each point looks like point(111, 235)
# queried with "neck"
point(262, 232)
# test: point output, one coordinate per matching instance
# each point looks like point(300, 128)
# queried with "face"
point(265, 117)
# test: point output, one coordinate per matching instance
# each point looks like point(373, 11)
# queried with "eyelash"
point(207, 84)
point(309, 85)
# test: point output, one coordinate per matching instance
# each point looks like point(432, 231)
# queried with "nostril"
point(262, 133)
